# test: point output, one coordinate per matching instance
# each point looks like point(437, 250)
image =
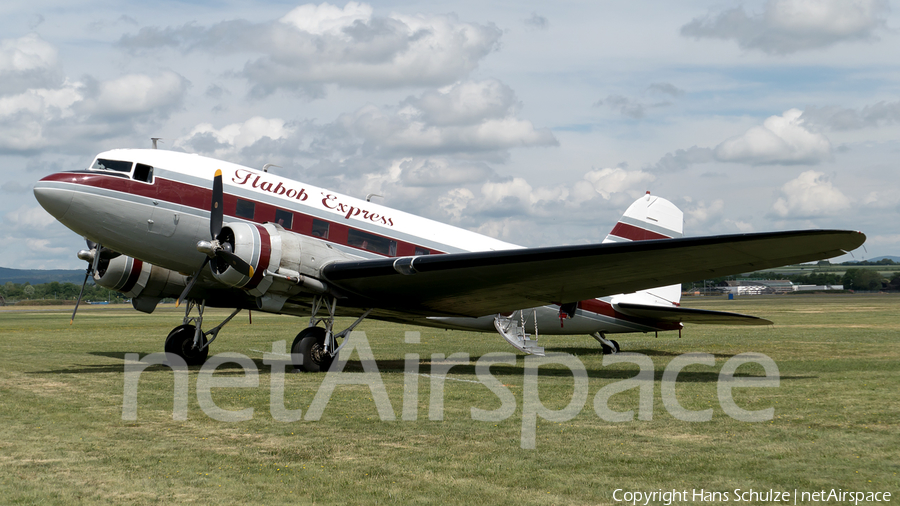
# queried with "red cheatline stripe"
point(133, 276)
point(265, 254)
point(632, 233)
point(181, 193)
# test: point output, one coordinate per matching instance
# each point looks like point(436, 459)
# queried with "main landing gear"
point(608, 346)
point(188, 340)
point(315, 347)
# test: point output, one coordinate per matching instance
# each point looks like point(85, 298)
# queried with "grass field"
point(836, 422)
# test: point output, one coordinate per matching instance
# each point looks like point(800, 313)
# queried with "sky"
point(536, 123)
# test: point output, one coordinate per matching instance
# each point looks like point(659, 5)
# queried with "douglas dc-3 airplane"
point(167, 224)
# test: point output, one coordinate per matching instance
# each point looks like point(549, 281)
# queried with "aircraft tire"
point(181, 342)
point(308, 351)
point(616, 343)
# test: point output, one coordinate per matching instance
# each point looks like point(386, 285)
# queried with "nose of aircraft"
point(54, 199)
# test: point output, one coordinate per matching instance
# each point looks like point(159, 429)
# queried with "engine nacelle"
point(254, 244)
point(144, 283)
point(284, 263)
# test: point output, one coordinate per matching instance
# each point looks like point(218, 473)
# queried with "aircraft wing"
point(481, 283)
point(673, 314)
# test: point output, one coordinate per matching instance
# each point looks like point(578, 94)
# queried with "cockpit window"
point(143, 173)
point(114, 165)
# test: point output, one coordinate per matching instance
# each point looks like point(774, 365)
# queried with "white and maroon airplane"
point(269, 243)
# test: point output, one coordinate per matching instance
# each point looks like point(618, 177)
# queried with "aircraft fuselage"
point(156, 208)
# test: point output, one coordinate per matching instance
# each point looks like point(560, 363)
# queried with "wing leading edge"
point(481, 283)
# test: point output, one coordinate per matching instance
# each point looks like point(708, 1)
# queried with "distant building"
point(769, 286)
point(756, 286)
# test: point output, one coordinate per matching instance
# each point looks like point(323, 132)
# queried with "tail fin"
point(650, 217)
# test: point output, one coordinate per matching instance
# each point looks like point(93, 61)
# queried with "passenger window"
point(143, 173)
point(421, 251)
point(371, 242)
point(320, 229)
point(245, 209)
point(114, 165)
point(284, 218)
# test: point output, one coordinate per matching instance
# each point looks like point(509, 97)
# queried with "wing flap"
point(673, 314)
point(480, 283)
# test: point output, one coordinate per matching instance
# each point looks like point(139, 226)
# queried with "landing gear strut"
point(188, 340)
point(608, 346)
point(315, 347)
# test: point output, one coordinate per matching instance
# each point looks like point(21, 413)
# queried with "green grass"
point(63, 439)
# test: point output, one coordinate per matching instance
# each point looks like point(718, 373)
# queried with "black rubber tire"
point(181, 342)
point(617, 345)
point(610, 350)
point(308, 351)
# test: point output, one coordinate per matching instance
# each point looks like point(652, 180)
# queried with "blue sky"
point(532, 122)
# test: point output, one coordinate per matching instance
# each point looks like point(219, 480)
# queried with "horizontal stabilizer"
point(674, 314)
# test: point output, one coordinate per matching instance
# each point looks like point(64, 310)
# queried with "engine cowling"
point(284, 263)
point(255, 245)
point(144, 283)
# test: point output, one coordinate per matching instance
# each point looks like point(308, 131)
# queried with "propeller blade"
point(108, 254)
point(78, 301)
point(105, 253)
point(190, 285)
point(236, 262)
point(216, 211)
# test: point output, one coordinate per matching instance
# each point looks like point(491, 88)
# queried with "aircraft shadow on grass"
point(425, 365)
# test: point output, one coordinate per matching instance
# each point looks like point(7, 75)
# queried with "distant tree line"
point(15, 292)
point(883, 261)
point(852, 279)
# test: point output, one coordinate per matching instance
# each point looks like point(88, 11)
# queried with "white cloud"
point(228, 140)
point(617, 180)
point(701, 214)
point(316, 45)
point(26, 117)
point(473, 119)
point(465, 102)
point(425, 172)
point(139, 94)
point(454, 202)
point(810, 195)
point(788, 26)
point(780, 140)
point(515, 189)
point(840, 118)
point(326, 18)
point(28, 62)
point(41, 118)
point(28, 218)
point(25, 54)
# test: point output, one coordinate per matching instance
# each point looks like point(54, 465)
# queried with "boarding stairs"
point(512, 328)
